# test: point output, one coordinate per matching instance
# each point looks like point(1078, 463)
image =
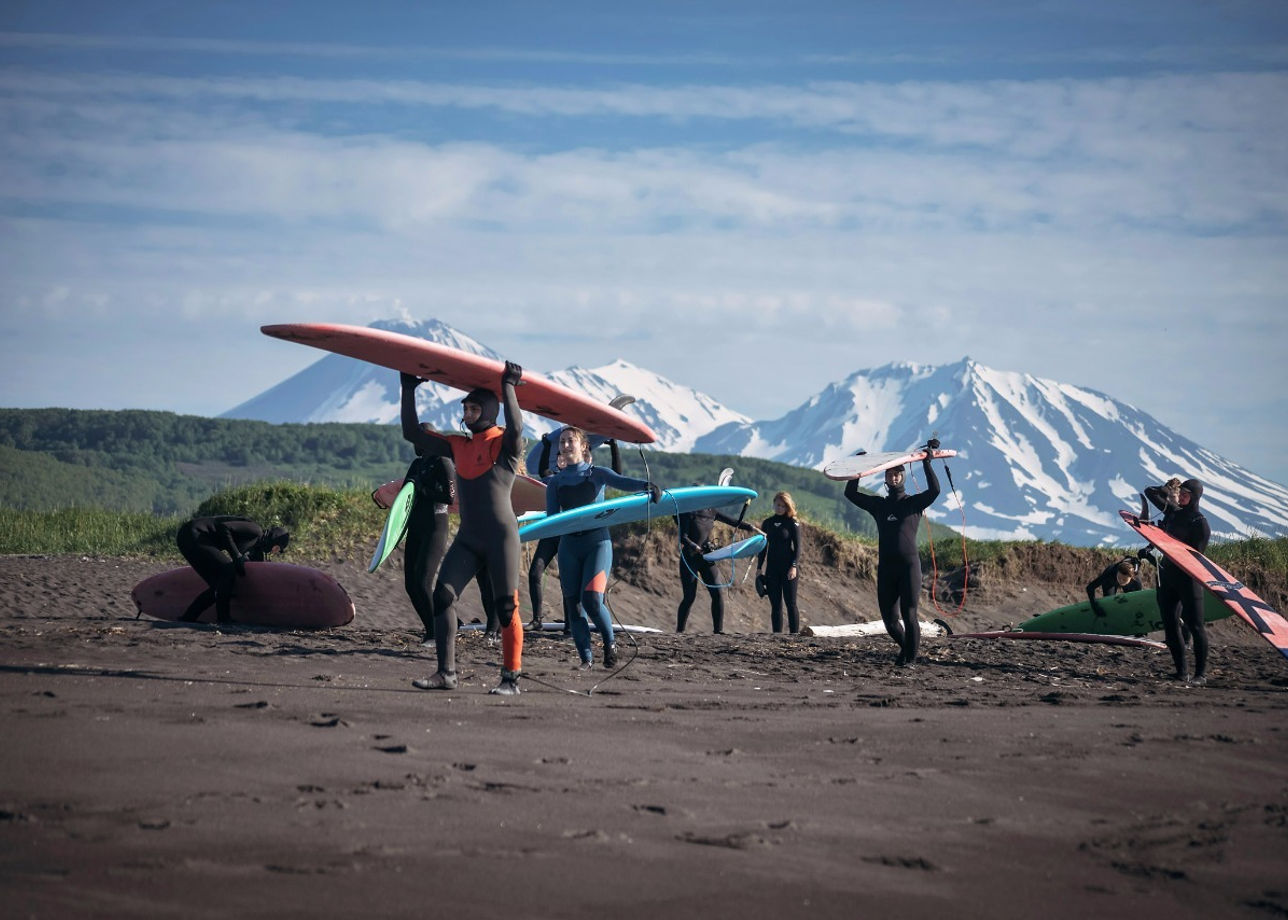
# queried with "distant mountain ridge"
point(1038, 459)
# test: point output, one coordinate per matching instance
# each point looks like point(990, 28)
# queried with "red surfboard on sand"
point(466, 371)
point(269, 594)
point(856, 466)
point(527, 495)
point(1239, 597)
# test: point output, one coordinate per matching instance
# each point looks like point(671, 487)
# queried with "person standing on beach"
point(897, 515)
point(218, 548)
point(779, 562)
point(585, 557)
point(1180, 596)
point(547, 547)
point(1120, 577)
point(487, 460)
point(695, 540)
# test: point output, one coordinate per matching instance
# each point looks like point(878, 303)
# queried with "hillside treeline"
point(160, 462)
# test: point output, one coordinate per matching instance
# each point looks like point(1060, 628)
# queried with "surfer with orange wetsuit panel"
point(1180, 596)
point(1120, 577)
point(695, 540)
point(897, 515)
point(539, 463)
point(218, 547)
point(487, 460)
point(779, 561)
point(585, 557)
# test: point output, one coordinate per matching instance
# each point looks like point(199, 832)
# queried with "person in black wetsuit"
point(218, 547)
point(780, 561)
point(695, 539)
point(426, 542)
point(539, 464)
point(898, 515)
point(1180, 597)
point(1119, 577)
point(487, 460)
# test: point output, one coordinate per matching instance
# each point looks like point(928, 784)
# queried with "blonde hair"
point(786, 499)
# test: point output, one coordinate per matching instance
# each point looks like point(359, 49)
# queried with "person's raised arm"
point(512, 440)
point(432, 445)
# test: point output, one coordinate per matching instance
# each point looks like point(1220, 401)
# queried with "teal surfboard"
point(636, 507)
point(740, 550)
point(395, 525)
point(1132, 614)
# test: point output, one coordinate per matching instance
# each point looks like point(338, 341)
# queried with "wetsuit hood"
point(489, 408)
point(1195, 488)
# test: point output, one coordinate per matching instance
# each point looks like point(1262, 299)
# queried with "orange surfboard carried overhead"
point(466, 371)
point(269, 594)
point(1229, 590)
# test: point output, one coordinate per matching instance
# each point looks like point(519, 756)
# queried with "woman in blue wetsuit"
point(898, 515)
point(539, 464)
point(585, 557)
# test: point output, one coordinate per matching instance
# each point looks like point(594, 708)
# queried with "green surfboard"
point(395, 525)
point(1132, 614)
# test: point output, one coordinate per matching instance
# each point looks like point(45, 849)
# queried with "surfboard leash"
point(934, 561)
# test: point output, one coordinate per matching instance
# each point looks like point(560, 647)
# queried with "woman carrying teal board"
point(585, 557)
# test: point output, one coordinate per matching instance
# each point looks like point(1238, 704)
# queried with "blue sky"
point(753, 199)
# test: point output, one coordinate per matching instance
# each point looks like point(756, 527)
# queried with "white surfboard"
point(740, 550)
point(856, 466)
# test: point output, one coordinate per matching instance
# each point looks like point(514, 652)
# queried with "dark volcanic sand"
point(162, 770)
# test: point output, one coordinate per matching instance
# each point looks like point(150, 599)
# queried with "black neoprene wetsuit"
point(211, 545)
point(488, 535)
point(695, 539)
point(427, 527)
point(781, 554)
point(897, 516)
point(1180, 597)
point(1107, 583)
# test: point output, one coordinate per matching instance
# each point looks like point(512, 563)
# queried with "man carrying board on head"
point(897, 515)
point(487, 460)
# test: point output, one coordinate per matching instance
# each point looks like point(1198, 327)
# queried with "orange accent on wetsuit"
point(512, 641)
point(598, 583)
point(475, 456)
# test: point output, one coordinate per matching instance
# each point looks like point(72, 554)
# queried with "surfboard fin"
point(726, 476)
point(1144, 509)
point(621, 401)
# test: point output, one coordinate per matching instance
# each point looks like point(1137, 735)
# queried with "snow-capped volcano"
point(1037, 459)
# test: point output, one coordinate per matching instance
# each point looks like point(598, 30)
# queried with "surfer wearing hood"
point(1118, 577)
point(218, 548)
point(585, 557)
point(487, 460)
point(1180, 596)
point(897, 515)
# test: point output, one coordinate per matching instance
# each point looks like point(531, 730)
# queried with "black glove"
point(1145, 553)
point(761, 588)
point(409, 380)
point(932, 444)
point(655, 492)
point(239, 564)
point(512, 374)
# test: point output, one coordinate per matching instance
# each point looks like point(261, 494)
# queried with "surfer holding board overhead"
point(1180, 597)
point(487, 460)
point(898, 515)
